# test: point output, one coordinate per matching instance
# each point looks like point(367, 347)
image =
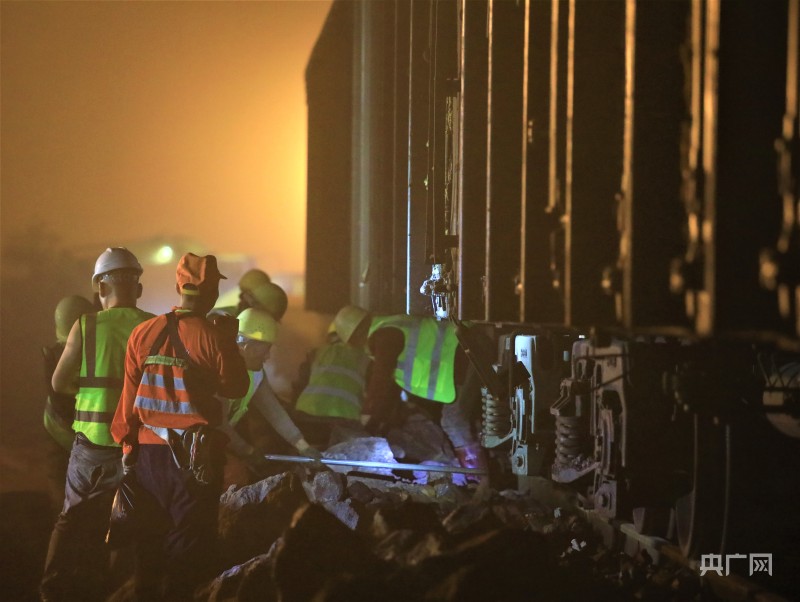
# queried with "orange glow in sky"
point(128, 120)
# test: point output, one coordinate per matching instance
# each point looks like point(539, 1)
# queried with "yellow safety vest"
point(336, 385)
point(105, 339)
point(425, 366)
point(237, 408)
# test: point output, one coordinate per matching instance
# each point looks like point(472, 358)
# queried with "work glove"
point(311, 452)
point(130, 453)
point(473, 456)
point(375, 425)
point(307, 450)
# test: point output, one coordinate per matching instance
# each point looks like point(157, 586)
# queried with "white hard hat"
point(114, 258)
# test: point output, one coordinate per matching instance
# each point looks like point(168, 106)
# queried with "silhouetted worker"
point(248, 281)
point(175, 365)
point(59, 409)
point(91, 368)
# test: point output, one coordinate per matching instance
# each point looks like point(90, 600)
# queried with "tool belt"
point(200, 451)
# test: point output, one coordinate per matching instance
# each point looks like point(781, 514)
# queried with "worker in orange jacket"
point(175, 365)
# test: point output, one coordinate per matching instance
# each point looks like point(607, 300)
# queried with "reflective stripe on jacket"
point(105, 337)
point(425, 366)
point(336, 385)
point(164, 398)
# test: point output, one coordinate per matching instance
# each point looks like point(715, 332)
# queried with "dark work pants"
point(177, 518)
point(56, 462)
point(458, 417)
point(77, 559)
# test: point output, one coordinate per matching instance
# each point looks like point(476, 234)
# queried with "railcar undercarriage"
point(594, 185)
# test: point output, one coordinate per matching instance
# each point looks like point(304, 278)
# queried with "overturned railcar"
point(610, 188)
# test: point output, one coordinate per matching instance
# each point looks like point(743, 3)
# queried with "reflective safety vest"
point(425, 366)
point(172, 393)
point(237, 408)
point(336, 385)
point(105, 339)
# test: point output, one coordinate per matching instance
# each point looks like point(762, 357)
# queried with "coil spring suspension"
point(570, 439)
point(496, 416)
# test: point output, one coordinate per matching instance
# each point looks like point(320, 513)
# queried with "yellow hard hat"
point(347, 321)
point(271, 298)
point(258, 325)
point(68, 310)
point(253, 278)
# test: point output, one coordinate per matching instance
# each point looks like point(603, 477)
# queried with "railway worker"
point(59, 409)
point(334, 394)
point(273, 299)
point(166, 419)
point(269, 297)
point(91, 368)
point(258, 332)
point(259, 292)
point(304, 370)
point(421, 356)
point(251, 279)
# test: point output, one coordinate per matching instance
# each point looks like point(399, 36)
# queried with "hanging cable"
point(430, 212)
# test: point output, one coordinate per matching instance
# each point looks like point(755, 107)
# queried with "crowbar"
point(375, 464)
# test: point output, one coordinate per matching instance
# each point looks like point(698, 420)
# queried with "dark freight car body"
point(610, 188)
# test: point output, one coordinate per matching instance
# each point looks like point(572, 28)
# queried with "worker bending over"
point(421, 356)
point(91, 368)
point(258, 332)
point(334, 394)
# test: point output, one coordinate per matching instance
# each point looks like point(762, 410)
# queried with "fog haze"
point(125, 122)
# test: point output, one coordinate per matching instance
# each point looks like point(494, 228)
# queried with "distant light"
point(164, 255)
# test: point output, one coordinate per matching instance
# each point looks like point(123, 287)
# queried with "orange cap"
point(196, 275)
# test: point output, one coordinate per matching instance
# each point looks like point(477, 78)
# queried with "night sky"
point(123, 120)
